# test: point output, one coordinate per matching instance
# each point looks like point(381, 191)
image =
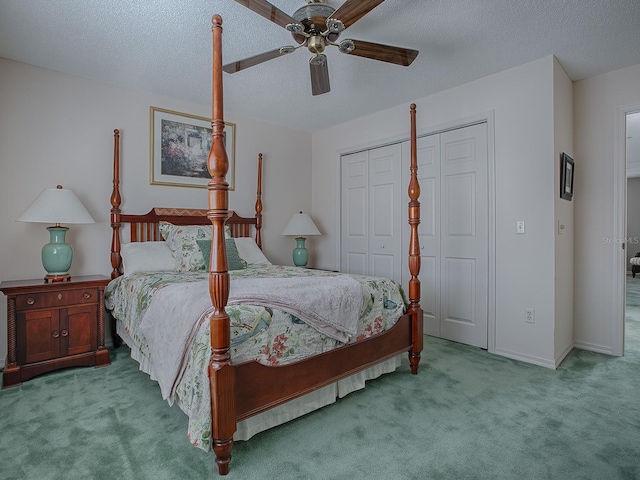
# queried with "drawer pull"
point(56, 334)
point(86, 295)
point(31, 301)
point(65, 333)
point(59, 296)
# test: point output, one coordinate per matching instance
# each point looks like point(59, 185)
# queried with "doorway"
point(632, 284)
point(625, 160)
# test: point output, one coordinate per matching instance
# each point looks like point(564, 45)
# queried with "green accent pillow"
point(233, 257)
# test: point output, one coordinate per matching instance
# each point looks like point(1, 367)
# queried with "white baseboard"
point(563, 353)
point(542, 362)
point(592, 347)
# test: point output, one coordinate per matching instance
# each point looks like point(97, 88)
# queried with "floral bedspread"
point(272, 337)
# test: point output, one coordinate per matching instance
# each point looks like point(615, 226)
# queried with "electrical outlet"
point(529, 315)
point(520, 227)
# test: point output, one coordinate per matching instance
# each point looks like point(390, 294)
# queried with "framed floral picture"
point(180, 146)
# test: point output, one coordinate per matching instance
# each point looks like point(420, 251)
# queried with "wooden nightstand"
point(53, 325)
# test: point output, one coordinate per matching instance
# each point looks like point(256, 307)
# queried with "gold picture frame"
point(179, 148)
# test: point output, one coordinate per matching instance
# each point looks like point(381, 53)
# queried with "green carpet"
point(467, 415)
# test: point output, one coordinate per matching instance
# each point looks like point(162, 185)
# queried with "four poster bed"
point(248, 360)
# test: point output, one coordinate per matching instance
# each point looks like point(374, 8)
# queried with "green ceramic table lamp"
point(56, 206)
point(300, 225)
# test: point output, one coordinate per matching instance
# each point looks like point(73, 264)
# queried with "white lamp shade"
point(56, 206)
point(301, 225)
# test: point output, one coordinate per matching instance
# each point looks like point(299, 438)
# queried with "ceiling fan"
point(315, 26)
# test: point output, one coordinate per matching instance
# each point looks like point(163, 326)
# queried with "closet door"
point(453, 233)
point(371, 207)
point(464, 235)
point(355, 213)
point(385, 217)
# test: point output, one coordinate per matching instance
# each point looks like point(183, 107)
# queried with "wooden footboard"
point(240, 391)
point(260, 387)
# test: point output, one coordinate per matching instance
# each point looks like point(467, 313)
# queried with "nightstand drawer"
point(56, 299)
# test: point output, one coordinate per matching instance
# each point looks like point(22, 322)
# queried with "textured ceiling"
point(164, 46)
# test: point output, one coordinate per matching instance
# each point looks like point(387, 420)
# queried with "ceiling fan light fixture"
point(295, 28)
point(334, 26)
point(287, 49)
point(347, 46)
point(318, 60)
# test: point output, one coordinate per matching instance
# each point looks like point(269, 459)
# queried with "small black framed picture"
point(566, 177)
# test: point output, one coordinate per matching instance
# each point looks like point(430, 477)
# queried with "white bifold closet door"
point(371, 212)
point(454, 227)
point(454, 233)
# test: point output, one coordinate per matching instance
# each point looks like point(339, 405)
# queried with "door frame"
point(619, 260)
point(481, 117)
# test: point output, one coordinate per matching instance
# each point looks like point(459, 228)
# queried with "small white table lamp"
point(56, 205)
point(300, 225)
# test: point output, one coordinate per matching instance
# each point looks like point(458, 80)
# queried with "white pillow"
point(146, 257)
point(250, 252)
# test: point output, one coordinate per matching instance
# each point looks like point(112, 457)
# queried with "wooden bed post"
point(259, 204)
point(116, 200)
point(414, 252)
point(221, 373)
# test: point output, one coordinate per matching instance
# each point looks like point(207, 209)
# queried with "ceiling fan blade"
point(255, 60)
point(319, 75)
point(268, 11)
point(353, 10)
point(384, 53)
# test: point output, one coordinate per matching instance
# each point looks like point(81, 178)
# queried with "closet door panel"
point(459, 290)
point(355, 213)
point(459, 206)
point(385, 234)
point(464, 236)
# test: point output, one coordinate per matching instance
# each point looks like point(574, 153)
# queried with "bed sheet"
point(270, 336)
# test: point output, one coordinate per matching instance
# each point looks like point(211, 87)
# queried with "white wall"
point(58, 129)
point(595, 102)
point(522, 104)
point(564, 261)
